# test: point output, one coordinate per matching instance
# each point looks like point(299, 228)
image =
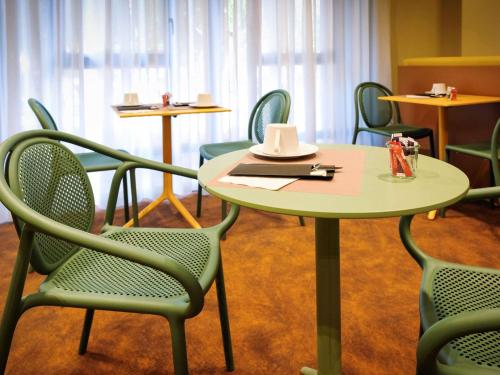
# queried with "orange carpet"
point(270, 281)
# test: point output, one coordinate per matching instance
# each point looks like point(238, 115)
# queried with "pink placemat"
point(347, 181)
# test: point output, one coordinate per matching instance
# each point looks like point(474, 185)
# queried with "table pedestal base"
point(168, 191)
point(308, 371)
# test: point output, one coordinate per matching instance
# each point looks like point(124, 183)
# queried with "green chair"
point(273, 107)
point(91, 161)
point(487, 150)
point(158, 271)
point(459, 311)
point(382, 117)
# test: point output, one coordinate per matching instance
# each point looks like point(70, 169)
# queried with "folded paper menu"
point(306, 171)
point(269, 183)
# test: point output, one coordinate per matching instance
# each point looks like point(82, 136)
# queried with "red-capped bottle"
point(453, 94)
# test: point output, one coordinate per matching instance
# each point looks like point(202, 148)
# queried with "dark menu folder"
point(137, 107)
point(308, 171)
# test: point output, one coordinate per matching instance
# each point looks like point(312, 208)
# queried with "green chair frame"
point(383, 117)
point(488, 150)
point(91, 161)
point(273, 107)
point(459, 310)
point(161, 271)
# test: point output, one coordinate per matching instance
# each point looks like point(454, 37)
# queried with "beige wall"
point(480, 31)
point(433, 28)
point(414, 31)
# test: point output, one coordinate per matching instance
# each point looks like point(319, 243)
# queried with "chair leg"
point(224, 319)
point(135, 206)
point(9, 322)
point(431, 144)
point(301, 221)
point(13, 305)
point(198, 201)
point(354, 137)
point(178, 333)
point(125, 199)
point(223, 214)
point(493, 201)
point(87, 325)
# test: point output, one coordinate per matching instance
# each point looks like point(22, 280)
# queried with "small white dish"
point(208, 105)
point(304, 150)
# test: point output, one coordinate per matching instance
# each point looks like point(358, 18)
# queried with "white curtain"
point(78, 57)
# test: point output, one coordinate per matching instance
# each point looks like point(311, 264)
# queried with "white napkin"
point(269, 183)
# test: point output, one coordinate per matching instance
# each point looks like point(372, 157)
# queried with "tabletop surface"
point(437, 184)
point(169, 111)
point(462, 100)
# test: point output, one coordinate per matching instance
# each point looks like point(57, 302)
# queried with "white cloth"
point(80, 57)
point(268, 183)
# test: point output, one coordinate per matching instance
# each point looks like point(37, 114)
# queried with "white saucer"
point(196, 105)
point(304, 150)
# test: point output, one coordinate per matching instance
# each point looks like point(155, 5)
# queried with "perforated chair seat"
point(459, 309)
point(94, 274)
point(407, 130)
point(212, 150)
point(95, 162)
point(91, 161)
point(382, 117)
point(273, 107)
point(160, 271)
point(488, 150)
point(481, 150)
point(454, 290)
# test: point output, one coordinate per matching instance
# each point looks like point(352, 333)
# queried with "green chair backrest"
point(45, 118)
point(273, 107)
point(48, 178)
point(495, 142)
point(375, 113)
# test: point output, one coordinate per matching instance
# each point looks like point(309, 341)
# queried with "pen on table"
point(328, 167)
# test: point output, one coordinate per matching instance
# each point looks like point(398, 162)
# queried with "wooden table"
point(443, 104)
point(437, 184)
point(166, 114)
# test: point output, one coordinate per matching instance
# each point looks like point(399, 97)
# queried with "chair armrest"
point(97, 147)
point(142, 164)
point(37, 222)
point(442, 332)
point(482, 193)
point(229, 220)
point(408, 241)
point(221, 227)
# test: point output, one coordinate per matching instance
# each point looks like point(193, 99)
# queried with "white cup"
point(130, 98)
point(281, 139)
point(204, 99)
point(438, 88)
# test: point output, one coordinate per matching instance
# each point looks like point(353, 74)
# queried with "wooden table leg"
point(443, 141)
point(168, 192)
point(442, 132)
